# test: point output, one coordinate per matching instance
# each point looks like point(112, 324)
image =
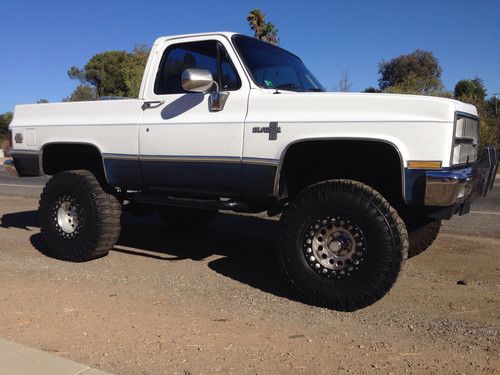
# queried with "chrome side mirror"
point(201, 80)
point(197, 80)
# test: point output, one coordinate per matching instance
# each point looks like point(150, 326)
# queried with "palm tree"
point(256, 20)
point(270, 34)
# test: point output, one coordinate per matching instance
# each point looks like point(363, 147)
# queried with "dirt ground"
point(212, 302)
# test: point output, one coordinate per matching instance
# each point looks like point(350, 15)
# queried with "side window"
point(229, 79)
point(209, 55)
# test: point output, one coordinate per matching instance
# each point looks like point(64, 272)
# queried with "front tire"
point(341, 245)
point(79, 220)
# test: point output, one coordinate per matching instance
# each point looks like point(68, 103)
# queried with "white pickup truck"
point(226, 122)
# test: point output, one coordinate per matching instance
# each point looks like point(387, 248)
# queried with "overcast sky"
point(41, 40)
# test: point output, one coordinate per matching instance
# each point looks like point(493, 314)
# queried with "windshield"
point(272, 67)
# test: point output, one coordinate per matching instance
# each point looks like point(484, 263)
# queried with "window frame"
point(218, 45)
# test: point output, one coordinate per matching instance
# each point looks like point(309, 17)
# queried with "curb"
point(20, 359)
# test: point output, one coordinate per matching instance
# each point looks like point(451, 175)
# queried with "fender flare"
point(277, 178)
point(40, 154)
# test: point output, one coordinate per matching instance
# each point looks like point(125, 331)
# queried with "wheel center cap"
point(335, 246)
point(339, 244)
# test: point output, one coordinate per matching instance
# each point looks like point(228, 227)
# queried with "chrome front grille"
point(466, 139)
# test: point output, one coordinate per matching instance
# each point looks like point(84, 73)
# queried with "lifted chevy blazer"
point(226, 122)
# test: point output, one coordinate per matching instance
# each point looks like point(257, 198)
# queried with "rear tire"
point(422, 233)
point(341, 245)
point(183, 219)
point(79, 220)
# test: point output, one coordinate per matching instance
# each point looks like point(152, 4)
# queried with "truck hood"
point(361, 107)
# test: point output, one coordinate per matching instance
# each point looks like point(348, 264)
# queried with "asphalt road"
point(20, 187)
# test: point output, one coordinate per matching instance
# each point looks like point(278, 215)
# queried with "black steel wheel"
point(334, 246)
point(79, 221)
point(341, 245)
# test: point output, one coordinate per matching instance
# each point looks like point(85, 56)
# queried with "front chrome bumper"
point(446, 188)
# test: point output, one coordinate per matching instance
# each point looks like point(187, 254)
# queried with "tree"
point(104, 71)
point(489, 130)
point(111, 73)
point(265, 31)
point(493, 106)
point(416, 85)
point(270, 34)
point(82, 92)
point(470, 88)
point(5, 120)
point(134, 69)
point(416, 73)
point(371, 89)
point(42, 101)
point(472, 91)
point(256, 19)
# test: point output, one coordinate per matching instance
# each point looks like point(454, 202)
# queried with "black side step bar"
point(207, 204)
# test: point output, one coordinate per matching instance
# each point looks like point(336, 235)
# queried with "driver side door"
point(185, 147)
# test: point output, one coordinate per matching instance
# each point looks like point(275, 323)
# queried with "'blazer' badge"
point(273, 129)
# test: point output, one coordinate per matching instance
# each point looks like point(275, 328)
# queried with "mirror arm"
point(217, 99)
point(216, 86)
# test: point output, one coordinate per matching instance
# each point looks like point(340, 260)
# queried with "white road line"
point(485, 212)
point(31, 186)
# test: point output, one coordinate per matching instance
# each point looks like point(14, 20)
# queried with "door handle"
point(152, 104)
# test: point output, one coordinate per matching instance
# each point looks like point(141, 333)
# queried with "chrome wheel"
point(67, 216)
point(334, 247)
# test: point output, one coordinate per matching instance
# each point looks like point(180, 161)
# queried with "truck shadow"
point(21, 220)
point(244, 245)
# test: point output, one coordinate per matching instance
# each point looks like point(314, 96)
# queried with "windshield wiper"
point(315, 89)
point(288, 86)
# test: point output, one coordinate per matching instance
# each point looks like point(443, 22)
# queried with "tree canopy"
point(111, 73)
point(470, 88)
point(416, 73)
point(371, 89)
point(263, 30)
point(5, 120)
point(82, 92)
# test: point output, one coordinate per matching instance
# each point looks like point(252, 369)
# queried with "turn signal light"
point(420, 164)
